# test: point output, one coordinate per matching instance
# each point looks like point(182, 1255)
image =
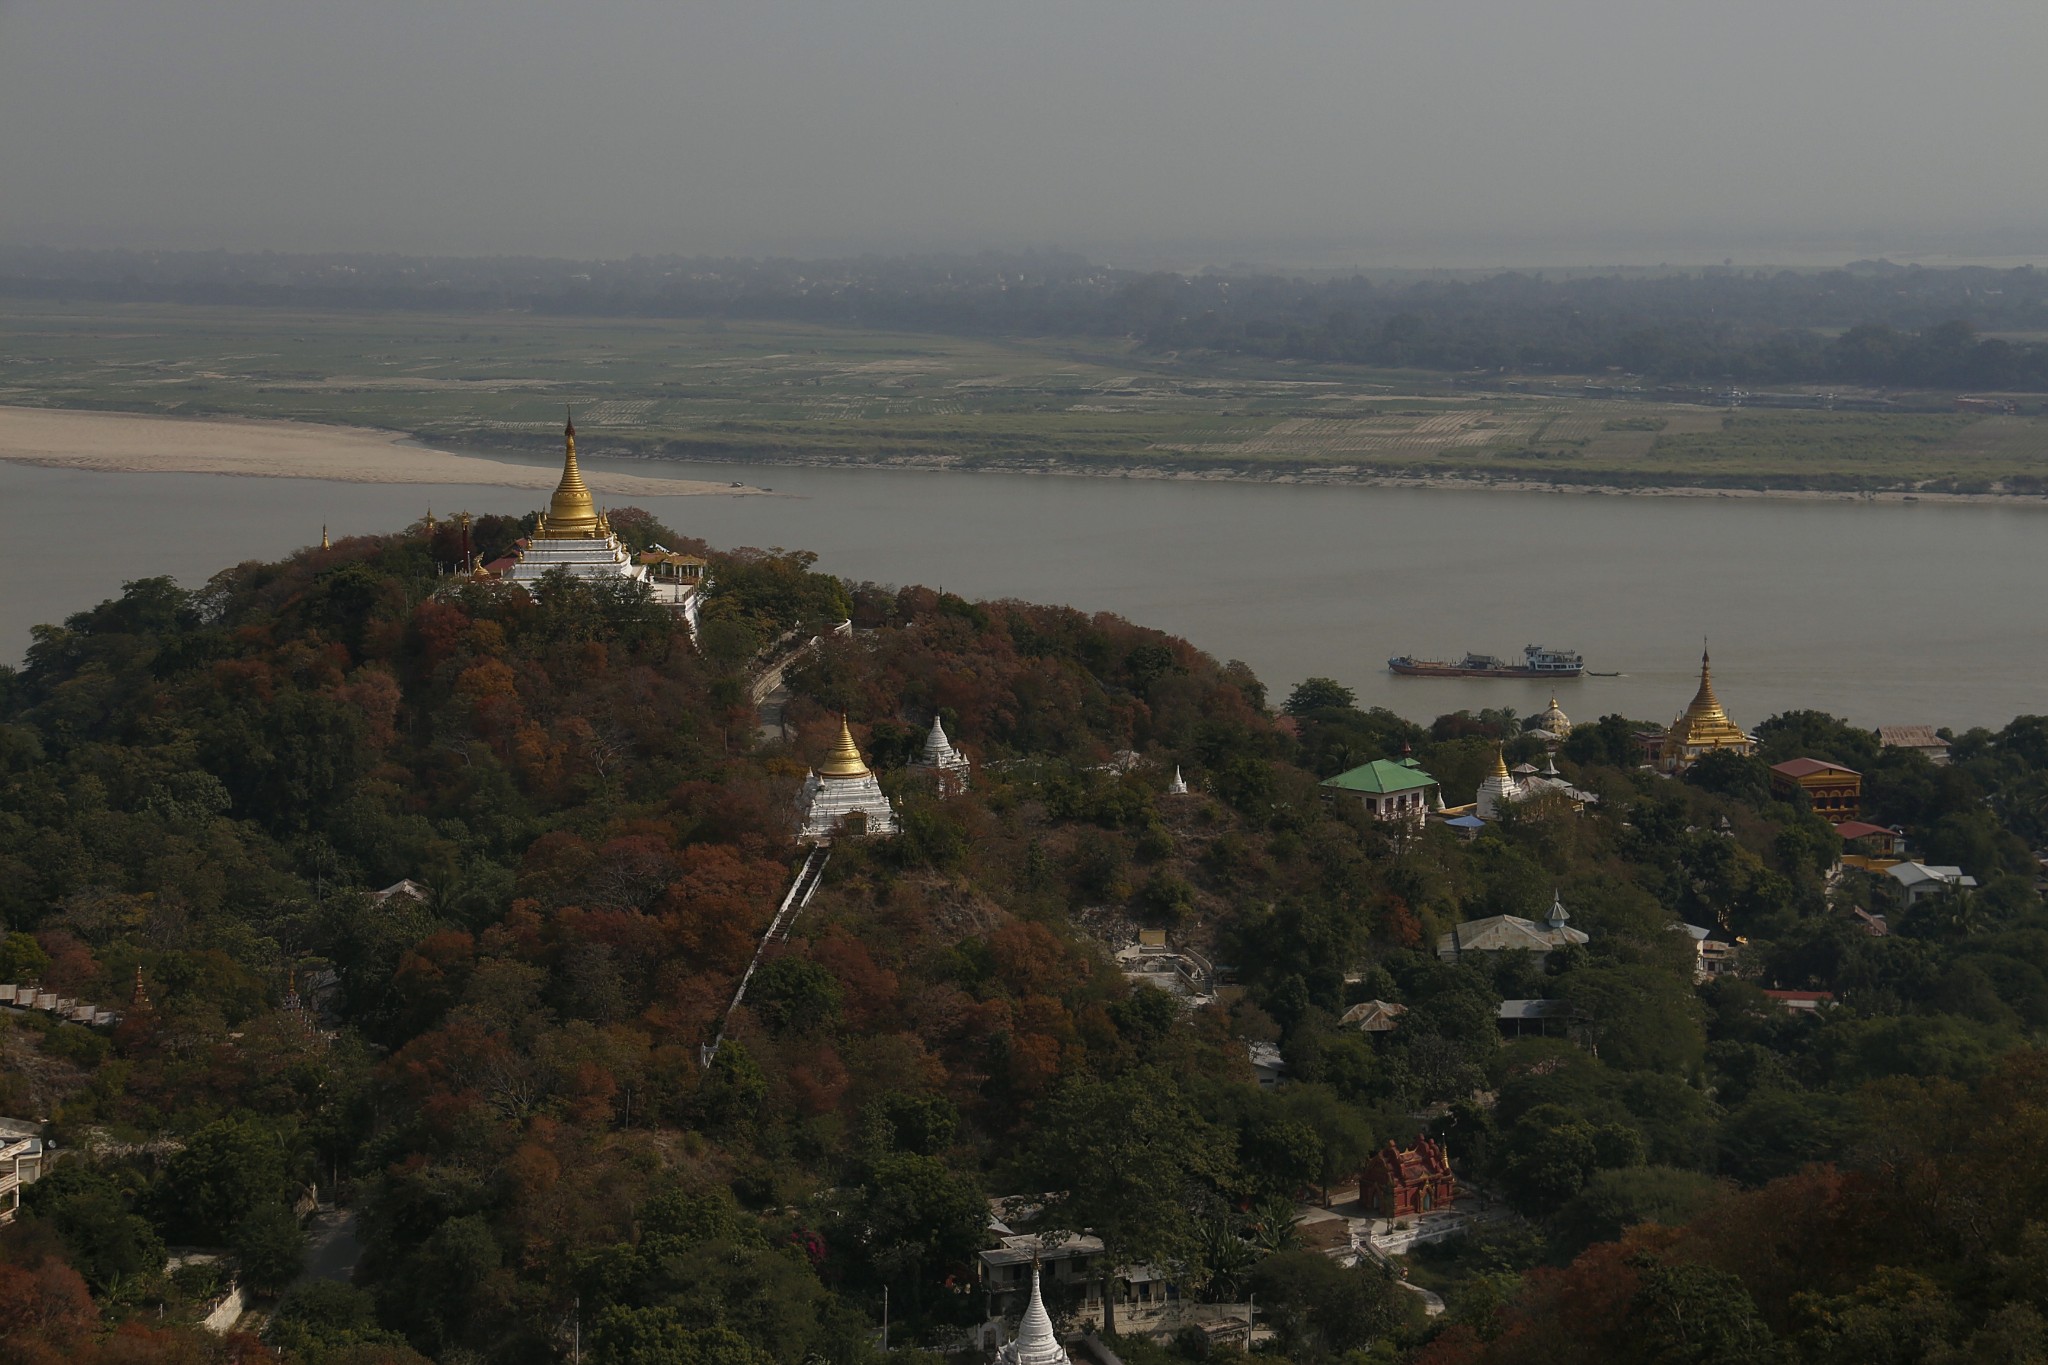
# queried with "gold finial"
point(571, 514)
point(845, 760)
point(430, 521)
point(323, 537)
point(1500, 761)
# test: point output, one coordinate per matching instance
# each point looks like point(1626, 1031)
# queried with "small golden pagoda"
point(1703, 727)
point(842, 786)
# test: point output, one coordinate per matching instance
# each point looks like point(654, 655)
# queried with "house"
point(1873, 848)
point(1873, 925)
point(1533, 1018)
point(1808, 1001)
point(1374, 1016)
point(1067, 1269)
point(1835, 792)
point(1267, 1067)
point(21, 1163)
point(1152, 961)
point(1712, 957)
point(405, 887)
point(1918, 881)
point(1920, 738)
point(1390, 790)
point(1511, 933)
point(1398, 1184)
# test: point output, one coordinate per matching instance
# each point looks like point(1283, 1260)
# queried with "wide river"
point(1880, 612)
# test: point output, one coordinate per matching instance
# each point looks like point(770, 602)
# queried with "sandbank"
point(141, 443)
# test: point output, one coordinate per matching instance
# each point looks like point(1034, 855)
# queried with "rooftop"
point(1808, 767)
point(1380, 777)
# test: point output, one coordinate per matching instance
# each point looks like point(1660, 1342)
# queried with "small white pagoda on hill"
point(941, 759)
point(842, 786)
point(1035, 1343)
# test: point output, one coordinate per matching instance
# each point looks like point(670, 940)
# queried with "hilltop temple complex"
point(575, 536)
point(841, 787)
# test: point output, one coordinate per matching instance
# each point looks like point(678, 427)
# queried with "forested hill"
point(1870, 324)
point(505, 1079)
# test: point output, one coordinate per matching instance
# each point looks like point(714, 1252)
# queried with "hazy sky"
point(1114, 127)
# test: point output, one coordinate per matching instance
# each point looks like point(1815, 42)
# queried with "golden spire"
point(571, 514)
point(1500, 762)
point(323, 537)
point(845, 760)
point(1705, 722)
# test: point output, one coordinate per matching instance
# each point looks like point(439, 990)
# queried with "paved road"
point(331, 1246)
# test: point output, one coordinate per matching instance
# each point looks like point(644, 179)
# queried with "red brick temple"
point(1398, 1184)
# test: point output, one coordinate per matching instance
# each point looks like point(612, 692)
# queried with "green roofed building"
point(1390, 790)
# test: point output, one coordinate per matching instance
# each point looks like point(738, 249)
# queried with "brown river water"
point(1885, 613)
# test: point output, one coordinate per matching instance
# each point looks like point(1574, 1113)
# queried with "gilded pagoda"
point(1702, 728)
point(573, 535)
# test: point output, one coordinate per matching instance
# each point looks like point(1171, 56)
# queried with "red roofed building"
point(1836, 792)
point(1398, 1184)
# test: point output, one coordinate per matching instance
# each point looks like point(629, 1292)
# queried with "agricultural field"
point(708, 389)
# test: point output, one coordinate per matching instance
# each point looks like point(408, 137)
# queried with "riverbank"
point(1334, 476)
point(139, 443)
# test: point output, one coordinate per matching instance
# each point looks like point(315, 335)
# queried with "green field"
point(772, 391)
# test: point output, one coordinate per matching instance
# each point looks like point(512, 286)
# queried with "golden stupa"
point(1704, 726)
point(845, 760)
point(571, 514)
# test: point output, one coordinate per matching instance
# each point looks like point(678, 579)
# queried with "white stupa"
point(1179, 785)
point(841, 786)
point(942, 759)
point(1035, 1343)
point(1498, 790)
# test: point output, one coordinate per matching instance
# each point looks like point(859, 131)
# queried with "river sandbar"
point(142, 443)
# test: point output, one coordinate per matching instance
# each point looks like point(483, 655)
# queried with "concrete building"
point(1390, 790)
point(1834, 792)
point(1918, 881)
point(1511, 934)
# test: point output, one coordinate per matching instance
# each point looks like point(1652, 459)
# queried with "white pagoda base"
point(825, 802)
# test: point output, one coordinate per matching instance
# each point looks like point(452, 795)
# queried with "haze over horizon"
point(1309, 133)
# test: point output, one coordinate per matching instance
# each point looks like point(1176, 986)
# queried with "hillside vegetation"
point(506, 1080)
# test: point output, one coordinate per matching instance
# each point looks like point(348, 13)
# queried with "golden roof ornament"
point(845, 760)
point(1500, 762)
point(323, 537)
point(571, 514)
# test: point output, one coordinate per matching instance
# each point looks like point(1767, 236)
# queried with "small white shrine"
point(1499, 789)
point(842, 786)
point(1035, 1343)
point(1179, 785)
point(943, 760)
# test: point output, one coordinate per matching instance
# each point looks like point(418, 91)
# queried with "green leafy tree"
point(1318, 694)
point(226, 1171)
point(1124, 1154)
point(1697, 1315)
point(270, 1248)
point(1321, 1310)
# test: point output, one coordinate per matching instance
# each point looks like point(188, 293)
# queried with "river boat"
point(1537, 662)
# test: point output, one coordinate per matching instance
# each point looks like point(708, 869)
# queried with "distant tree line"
point(1870, 324)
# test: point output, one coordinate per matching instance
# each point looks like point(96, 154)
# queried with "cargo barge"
point(1538, 662)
